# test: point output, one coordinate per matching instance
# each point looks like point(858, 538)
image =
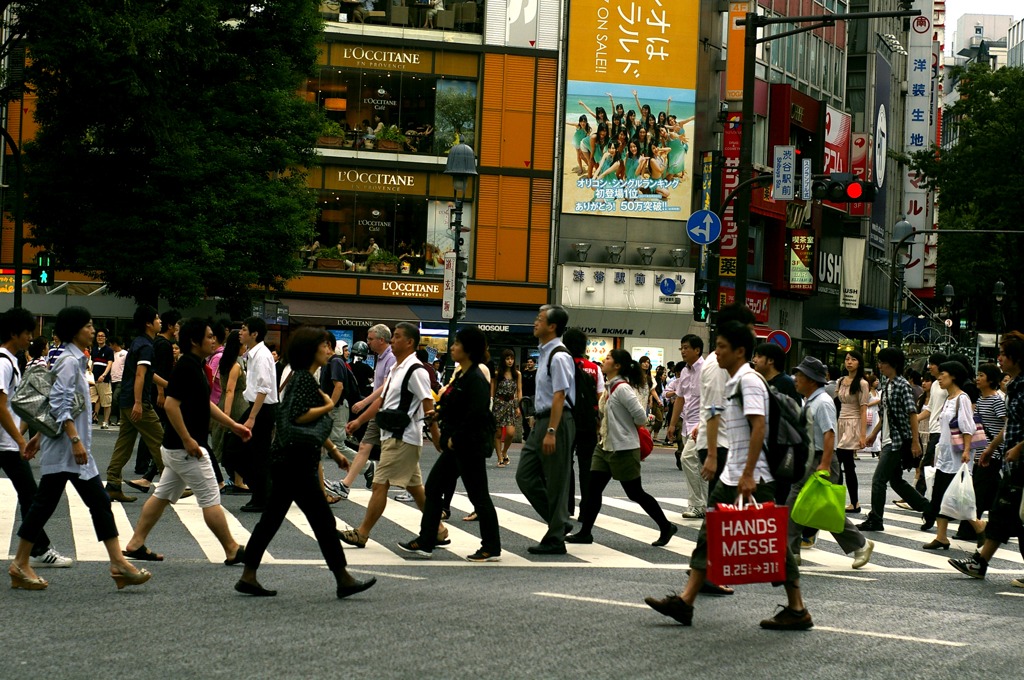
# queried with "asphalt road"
point(575, 616)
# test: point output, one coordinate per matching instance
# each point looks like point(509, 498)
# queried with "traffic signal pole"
point(752, 22)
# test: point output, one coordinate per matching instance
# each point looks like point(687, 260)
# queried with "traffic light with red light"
point(843, 187)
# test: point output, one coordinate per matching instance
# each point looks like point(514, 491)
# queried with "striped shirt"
point(992, 410)
point(1014, 413)
point(746, 394)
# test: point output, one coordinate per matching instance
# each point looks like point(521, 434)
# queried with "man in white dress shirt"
point(261, 393)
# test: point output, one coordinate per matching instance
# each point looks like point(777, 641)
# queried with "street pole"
point(460, 167)
point(453, 323)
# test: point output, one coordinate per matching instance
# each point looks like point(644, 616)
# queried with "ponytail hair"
point(629, 369)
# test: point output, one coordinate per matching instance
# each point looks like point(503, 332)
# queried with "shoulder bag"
point(396, 420)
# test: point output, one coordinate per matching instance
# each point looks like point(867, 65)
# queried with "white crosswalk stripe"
point(622, 534)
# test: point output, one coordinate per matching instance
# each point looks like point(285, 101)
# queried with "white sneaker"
point(51, 559)
point(404, 497)
point(862, 556)
point(693, 514)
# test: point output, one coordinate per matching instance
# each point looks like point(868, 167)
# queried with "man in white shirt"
point(400, 451)
point(116, 374)
point(686, 413)
point(745, 474)
point(932, 411)
point(16, 326)
point(261, 393)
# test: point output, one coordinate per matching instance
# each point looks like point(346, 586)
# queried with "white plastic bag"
point(959, 501)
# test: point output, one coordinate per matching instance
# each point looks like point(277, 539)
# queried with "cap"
point(814, 369)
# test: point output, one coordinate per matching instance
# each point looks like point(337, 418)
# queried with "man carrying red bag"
point(746, 475)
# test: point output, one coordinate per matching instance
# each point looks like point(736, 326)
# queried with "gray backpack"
point(31, 400)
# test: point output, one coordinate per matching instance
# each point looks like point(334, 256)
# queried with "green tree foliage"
point(979, 181)
point(169, 160)
point(455, 108)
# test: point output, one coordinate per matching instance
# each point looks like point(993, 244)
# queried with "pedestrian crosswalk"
point(623, 534)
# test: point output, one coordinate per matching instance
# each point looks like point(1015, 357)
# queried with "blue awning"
point(879, 324)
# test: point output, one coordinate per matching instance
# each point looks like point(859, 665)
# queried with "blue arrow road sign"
point(704, 227)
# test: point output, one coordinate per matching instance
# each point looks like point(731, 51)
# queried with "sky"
point(957, 8)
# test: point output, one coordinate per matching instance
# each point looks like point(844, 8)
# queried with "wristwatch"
point(75, 440)
point(551, 430)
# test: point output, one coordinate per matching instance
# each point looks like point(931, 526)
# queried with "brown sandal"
point(353, 538)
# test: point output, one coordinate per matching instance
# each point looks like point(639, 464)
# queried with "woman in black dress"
point(463, 434)
point(294, 471)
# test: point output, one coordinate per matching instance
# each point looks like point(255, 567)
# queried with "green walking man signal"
point(701, 306)
point(43, 272)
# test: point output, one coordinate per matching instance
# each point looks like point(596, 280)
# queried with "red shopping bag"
point(746, 543)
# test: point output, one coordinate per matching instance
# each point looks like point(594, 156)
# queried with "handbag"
point(959, 501)
point(979, 440)
point(31, 401)
point(310, 435)
point(396, 420)
point(746, 543)
point(527, 408)
point(821, 504)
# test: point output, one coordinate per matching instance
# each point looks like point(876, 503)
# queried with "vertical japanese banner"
point(727, 254)
point(879, 155)
point(853, 272)
point(630, 105)
point(860, 166)
point(838, 126)
point(917, 133)
point(801, 260)
point(734, 55)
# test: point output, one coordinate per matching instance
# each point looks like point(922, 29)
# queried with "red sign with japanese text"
point(838, 127)
point(758, 298)
point(727, 254)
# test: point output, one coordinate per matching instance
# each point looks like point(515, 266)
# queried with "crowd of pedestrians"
point(218, 415)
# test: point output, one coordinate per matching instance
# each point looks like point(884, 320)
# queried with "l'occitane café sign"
point(382, 58)
point(430, 290)
point(377, 181)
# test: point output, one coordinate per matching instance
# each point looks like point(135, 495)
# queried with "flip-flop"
point(712, 589)
point(331, 499)
point(143, 554)
point(471, 517)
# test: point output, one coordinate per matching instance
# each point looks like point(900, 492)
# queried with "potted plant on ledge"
point(330, 258)
point(331, 134)
point(390, 139)
point(382, 262)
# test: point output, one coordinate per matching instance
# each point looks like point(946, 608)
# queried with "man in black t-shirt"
point(163, 365)
point(102, 363)
point(185, 449)
point(769, 361)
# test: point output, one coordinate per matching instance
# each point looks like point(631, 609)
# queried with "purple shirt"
point(382, 368)
point(688, 387)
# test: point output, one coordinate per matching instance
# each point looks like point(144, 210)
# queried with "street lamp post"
point(461, 166)
point(902, 232)
point(999, 293)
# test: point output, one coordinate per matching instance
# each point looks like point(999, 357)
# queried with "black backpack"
point(583, 402)
point(786, 443)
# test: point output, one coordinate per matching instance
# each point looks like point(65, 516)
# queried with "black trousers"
point(253, 462)
point(20, 473)
point(590, 504)
point(472, 468)
point(299, 484)
point(583, 451)
point(51, 486)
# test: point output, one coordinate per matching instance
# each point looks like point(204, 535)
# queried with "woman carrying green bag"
point(815, 500)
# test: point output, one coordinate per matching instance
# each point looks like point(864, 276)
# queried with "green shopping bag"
point(821, 504)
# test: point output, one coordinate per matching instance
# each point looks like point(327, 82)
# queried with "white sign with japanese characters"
point(917, 132)
point(624, 288)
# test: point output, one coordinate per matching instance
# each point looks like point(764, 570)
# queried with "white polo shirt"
point(419, 385)
point(10, 378)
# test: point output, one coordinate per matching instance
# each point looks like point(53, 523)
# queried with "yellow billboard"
point(630, 103)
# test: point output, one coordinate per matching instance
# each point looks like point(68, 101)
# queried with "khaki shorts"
point(399, 464)
point(372, 434)
point(93, 394)
point(104, 391)
point(624, 466)
point(182, 470)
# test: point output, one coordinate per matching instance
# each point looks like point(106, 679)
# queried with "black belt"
point(542, 414)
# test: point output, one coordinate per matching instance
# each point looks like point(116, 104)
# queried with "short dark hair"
point(170, 318)
point(258, 327)
point(37, 347)
point(303, 345)
point(220, 330)
point(192, 332)
point(738, 335)
point(70, 320)
point(16, 321)
point(937, 359)
point(143, 316)
point(734, 311)
point(955, 370)
point(694, 341)
point(894, 357)
point(575, 341)
point(914, 377)
point(331, 340)
point(409, 330)
point(963, 361)
point(1012, 346)
point(773, 353)
point(474, 344)
point(556, 314)
point(992, 374)
point(422, 355)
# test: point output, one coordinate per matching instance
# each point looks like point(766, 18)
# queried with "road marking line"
point(191, 515)
point(1011, 594)
point(595, 600)
point(385, 574)
point(678, 545)
point(891, 636)
point(814, 572)
point(8, 509)
point(87, 546)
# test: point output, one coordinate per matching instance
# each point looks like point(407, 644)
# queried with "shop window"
point(394, 112)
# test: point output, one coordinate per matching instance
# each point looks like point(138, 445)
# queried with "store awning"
point(353, 314)
point(827, 336)
point(877, 324)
